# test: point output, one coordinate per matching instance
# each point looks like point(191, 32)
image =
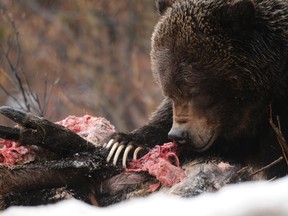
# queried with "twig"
point(242, 169)
point(281, 140)
point(10, 95)
point(18, 79)
point(31, 100)
point(268, 166)
point(272, 179)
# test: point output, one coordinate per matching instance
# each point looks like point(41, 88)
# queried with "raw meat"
point(90, 128)
point(161, 162)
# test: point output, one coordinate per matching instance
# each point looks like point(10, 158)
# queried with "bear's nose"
point(178, 135)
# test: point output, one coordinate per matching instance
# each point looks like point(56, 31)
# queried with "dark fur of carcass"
point(75, 166)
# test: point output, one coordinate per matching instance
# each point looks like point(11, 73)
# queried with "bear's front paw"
point(117, 142)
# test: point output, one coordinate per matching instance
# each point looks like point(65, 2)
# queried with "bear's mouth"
point(210, 141)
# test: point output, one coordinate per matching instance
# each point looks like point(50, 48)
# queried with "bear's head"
point(218, 62)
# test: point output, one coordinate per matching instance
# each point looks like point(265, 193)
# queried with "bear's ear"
point(162, 5)
point(240, 13)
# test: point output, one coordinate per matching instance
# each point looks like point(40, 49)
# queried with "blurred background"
point(77, 57)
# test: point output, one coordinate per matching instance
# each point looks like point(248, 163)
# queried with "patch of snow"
point(245, 199)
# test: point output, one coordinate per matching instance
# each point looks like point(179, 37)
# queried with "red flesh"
point(91, 128)
point(161, 162)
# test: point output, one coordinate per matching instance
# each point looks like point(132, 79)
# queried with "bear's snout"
point(178, 135)
point(198, 140)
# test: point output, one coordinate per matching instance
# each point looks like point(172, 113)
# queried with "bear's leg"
point(141, 139)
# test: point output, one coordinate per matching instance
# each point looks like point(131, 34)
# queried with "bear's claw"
point(117, 148)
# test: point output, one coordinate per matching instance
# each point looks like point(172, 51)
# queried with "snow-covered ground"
point(249, 199)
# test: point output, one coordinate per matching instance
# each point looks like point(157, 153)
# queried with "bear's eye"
point(191, 92)
point(192, 95)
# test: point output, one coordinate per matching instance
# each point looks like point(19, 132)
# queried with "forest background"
point(77, 57)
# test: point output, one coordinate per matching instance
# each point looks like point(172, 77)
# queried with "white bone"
point(125, 155)
point(136, 152)
point(112, 151)
point(116, 156)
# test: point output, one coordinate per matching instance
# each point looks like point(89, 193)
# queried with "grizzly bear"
point(222, 67)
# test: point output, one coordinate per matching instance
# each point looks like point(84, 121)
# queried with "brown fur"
point(220, 65)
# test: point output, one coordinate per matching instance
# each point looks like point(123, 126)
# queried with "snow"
point(245, 199)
